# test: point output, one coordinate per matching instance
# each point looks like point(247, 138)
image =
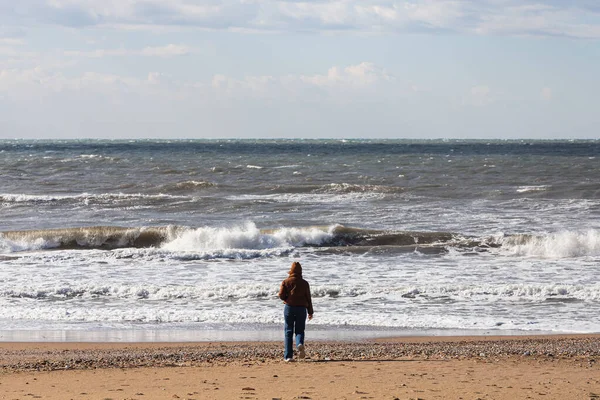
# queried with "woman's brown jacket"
point(295, 291)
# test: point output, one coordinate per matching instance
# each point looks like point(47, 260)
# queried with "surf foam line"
point(231, 292)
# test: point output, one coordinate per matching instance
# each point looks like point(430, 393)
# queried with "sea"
point(181, 240)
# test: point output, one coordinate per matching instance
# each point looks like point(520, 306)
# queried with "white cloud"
point(11, 47)
point(8, 51)
point(386, 14)
point(39, 81)
point(438, 14)
point(155, 78)
point(99, 53)
point(170, 50)
point(361, 75)
point(11, 41)
point(330, 13)
point(341, 83)
point(98, 81)
point(538, 19)
point(577, 18)
point(250, 86)
point(130, 106)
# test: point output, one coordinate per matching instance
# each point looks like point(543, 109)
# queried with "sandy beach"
point(511, 367)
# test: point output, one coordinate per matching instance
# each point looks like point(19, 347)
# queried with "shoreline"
point(449, 367)
point(258, 333)
point(49, 356)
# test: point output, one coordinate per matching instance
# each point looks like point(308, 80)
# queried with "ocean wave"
point(295, 192)
point(354, 188)
point(527, 189)
point(313, 197)
point(534, 292)
point(98, 157)
point(189, 319)
point(96, 237)
point(203, 241)
point(245, 237)
point(85, 198)
point(83, 158)
point(214, 240)
point(252, 291)
point(145, 292)
point(287, 166)
point(248, 241)
point(228, 292)
point(568, 244)
point(187, 185)
point(483, 292)
point(203, 255)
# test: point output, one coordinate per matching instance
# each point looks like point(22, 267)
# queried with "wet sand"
point(512, 367)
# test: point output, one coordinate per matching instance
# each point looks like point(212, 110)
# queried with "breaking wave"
point(566, 244)
point(248, 241)
point(238, 291)
point(96, 237)
point(185, 239)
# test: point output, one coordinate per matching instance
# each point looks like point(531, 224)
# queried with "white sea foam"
point(522, 291)
point(331, 294)
point(314, 198)
point(236, 242)
point(83, 197)
point(197, 254)
point(189, 184)
point(351, 188)
point(287, 166)
point(86, 158)
point(244, 237)
point(14, 246)
point(556, 245)
point(526, 189)
point(22, 198)
point(150, 286)
point(265, 311)
point(228, 292)
point(97, 157)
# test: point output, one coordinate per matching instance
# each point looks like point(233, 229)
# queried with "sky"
point(120, 69)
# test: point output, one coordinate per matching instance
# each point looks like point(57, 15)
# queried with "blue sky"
point(299, 69)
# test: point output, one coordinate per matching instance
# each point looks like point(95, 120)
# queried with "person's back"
point(295, 291)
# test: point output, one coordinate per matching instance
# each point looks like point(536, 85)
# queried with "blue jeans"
point(295, 321)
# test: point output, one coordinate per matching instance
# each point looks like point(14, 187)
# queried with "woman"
point(295, 293)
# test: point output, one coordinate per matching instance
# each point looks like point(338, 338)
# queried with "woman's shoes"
point(301, 353)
